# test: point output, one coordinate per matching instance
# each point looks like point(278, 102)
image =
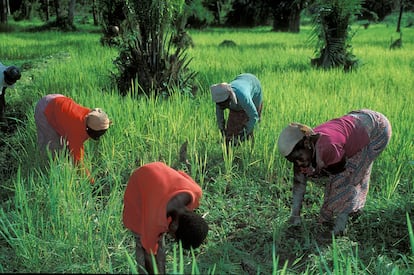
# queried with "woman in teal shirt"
point(243, 97)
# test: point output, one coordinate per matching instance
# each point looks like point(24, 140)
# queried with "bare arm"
point(143, 258)
point(178, 202)
point(298, 193)
point(161, 257)
point(2, 103)
point(220, 118)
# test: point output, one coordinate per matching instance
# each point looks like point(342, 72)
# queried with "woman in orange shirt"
point(158, 200)
point(61, 122)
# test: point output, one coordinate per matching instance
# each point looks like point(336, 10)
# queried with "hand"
point(242, 134)
point(88, 174)
point(233, 141)
point(237, 139)
point(308, 171)
point(295, 220)
point(240, 137)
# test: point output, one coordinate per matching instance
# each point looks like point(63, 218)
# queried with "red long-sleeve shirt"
point(68, 119)
point(147, 194)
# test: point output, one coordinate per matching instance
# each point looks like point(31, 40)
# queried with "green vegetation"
point(53, 220)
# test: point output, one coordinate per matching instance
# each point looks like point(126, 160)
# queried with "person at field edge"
point(243, 97)
point(343, 151)
point(63, 123)
point(8, 77)
point(158, 200)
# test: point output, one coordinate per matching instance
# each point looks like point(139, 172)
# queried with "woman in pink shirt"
point(343, 150)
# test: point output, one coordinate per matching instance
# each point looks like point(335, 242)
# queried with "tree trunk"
point(294, 20)
point(71, 12)
point(28, 11)
point(47, 11)
point(400, 15)
point(94, 13)
point(280, 23)
point(3, 11)
point(286, 16)
point(58, 11)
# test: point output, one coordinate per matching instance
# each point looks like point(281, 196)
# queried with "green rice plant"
point(199, 168)
point(131, 264)
point(393, 182)
point(275, 259)
point(339, 260)
point(410, 233)
point(178, 268)
point(53, 220)
point(228, 159)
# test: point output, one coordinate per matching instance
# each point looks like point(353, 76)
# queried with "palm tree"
point(332, 24)
point(153, 56)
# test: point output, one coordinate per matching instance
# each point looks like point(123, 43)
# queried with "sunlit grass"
point(55, 221)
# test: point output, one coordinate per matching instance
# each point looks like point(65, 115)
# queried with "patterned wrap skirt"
point(237, 121)
point(347, 191)
point(47, 137)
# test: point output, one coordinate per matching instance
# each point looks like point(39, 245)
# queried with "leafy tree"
point(198, 14)
point(220, 9)
point(332, 20)
point(377, 10)
point(153, 55)
point(286, 14)
point(247, 13)
point(65, 11)
point(112, 15)
point(22, 10)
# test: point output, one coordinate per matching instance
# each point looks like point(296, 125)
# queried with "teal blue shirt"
point(249, 98)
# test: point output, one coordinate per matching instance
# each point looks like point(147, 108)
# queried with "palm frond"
point(153, 55)
point(331, 27)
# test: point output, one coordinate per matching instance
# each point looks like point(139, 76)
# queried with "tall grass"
point(55, 221)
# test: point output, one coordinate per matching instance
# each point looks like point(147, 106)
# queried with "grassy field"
point(52, 220)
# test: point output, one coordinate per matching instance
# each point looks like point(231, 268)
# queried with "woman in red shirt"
point(343, 150)
point(158, 200)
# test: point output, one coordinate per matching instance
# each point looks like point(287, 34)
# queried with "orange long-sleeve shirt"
point(147, 194)
point(68, 119)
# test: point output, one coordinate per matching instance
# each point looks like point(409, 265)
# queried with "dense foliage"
point(153, 57)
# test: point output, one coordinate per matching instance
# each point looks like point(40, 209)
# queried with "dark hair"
point(11, 75)
point(192, 229)
point(95, 134)
point(224, 104)
point(299, 145)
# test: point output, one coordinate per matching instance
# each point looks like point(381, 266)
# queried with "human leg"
point(347, 192)
point(47, 137)
point(142, 258)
